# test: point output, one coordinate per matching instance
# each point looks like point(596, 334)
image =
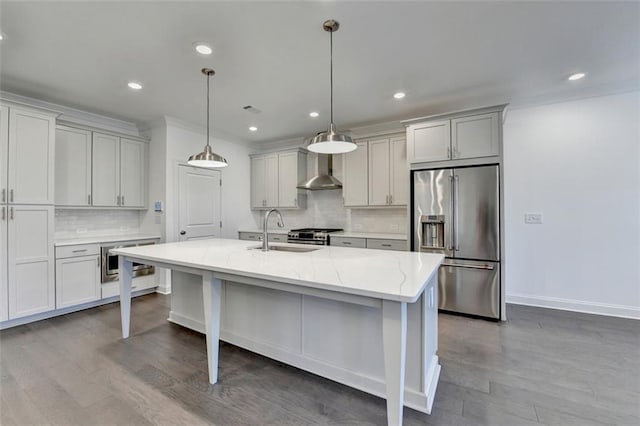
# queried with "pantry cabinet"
point(458, 138)
point(30, 260)
point(30, 160)
point(73, 167)
point(274, 179)
point(376, 173)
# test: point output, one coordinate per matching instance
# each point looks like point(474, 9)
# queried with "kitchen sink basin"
point(292, 249)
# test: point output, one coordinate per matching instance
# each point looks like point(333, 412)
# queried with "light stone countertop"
point(97, 239)
point(283, 231)
point(391, 275)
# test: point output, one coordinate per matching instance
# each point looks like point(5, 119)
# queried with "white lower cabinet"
point(370, 243)
point(30, 260)
point(77, 275)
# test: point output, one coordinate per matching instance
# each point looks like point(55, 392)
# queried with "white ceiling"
point(275, 56)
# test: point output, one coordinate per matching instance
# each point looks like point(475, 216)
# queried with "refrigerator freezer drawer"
point(470, 288)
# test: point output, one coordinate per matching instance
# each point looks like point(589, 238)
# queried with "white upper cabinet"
point(380, 172)
point(399, 173)
point(132, 173)
point(459, 138)
point(258, 198)
point(355, 181)
point(475, 136)
point(105, 171)
point(73, 167)
point(118, 171)
point(30, 260)
point(376, 173)
point(4, 151)
point(31, 157)
point(274, 178)
point(271, 180)
point(292, 169)
point(429, 141)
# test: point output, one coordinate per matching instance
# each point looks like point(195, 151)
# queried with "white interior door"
point(199, 203)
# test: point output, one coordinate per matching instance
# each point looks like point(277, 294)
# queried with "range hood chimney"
point(324, 179)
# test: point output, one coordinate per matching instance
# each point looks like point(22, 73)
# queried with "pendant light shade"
point(207, 158)
point(331, 141)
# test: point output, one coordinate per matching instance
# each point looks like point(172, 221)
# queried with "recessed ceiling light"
point(576, 76)
point(313, 114)
point(399, 95)
point(134, 85)
point(253, 128)
point(1, 36)
point(203, 48)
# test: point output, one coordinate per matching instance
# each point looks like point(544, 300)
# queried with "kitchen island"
point(364, 318)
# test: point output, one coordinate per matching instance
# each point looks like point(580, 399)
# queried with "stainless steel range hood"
point(324, 178)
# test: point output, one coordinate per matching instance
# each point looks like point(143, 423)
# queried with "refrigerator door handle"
point(451, 247)
point(460, 265)
point(456, 183)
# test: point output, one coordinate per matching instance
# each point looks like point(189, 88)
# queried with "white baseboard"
point(164, 290)
point(621, 311)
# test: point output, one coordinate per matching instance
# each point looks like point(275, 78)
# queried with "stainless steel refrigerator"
point(456, 211)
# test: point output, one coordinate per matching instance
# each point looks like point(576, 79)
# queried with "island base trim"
point(414, 399)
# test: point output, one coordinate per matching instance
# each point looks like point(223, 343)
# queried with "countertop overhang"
point(383, 274)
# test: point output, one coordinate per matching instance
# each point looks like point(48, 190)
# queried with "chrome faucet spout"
point(265, 236)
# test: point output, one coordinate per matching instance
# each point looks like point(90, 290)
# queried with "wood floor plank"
point(540, 367)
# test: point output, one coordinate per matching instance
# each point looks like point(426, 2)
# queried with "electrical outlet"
point(533, 218)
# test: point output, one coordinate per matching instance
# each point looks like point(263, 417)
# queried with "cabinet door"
point(105, 170)
point(31, 157)
point(4, 151)
point(30, 260)
point(399, 182)
point(132, 173)
point(379, 173)
point(475, 136)
point(77, 281)
point(288, 179)
point(4, 291)
point(73, 167)
point(355, 177)
point(258, 199)
point(429, 141)
point(271, 180)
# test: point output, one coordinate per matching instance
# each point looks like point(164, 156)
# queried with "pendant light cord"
point(208, 78)
point(331, 71)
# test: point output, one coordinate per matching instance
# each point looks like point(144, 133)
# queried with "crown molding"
point(73, 116)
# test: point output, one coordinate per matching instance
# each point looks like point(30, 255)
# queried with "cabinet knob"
point(183, 232)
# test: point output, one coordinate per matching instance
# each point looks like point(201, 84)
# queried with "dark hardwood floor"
point(541, 367)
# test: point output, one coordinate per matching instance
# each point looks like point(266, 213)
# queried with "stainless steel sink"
point(292, 249)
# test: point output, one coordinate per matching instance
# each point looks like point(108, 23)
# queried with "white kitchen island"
point(364, 318)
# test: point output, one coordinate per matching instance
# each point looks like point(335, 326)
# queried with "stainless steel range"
point(317, 236)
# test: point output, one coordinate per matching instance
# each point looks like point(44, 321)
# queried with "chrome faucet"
point(265, 237)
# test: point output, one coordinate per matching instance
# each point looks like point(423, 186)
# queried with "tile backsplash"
point(325, 210)
point(70, 223)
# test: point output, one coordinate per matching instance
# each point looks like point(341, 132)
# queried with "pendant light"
point(331, 142)
point(207, 158)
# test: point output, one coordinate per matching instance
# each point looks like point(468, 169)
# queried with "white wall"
point(578, 163)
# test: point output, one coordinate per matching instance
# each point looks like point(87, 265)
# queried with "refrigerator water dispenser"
point(432, 231)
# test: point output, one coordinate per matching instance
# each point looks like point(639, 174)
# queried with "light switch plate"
point(533, 218)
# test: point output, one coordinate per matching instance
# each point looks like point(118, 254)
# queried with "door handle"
point(451, 230)
point(11, 196)
point(4, 193)
point(122, 200)
point(390, 198)
point(89, 199)
point(484, 267)
point(11, 213)
point(117, 200)
point(183, 232)
point(456, 179)
point(3, 213)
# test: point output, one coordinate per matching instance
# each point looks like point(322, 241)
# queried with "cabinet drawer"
point(280, 238)
point(250, 236)
point(349, 242)
point(399, 245)
point(77, 250)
